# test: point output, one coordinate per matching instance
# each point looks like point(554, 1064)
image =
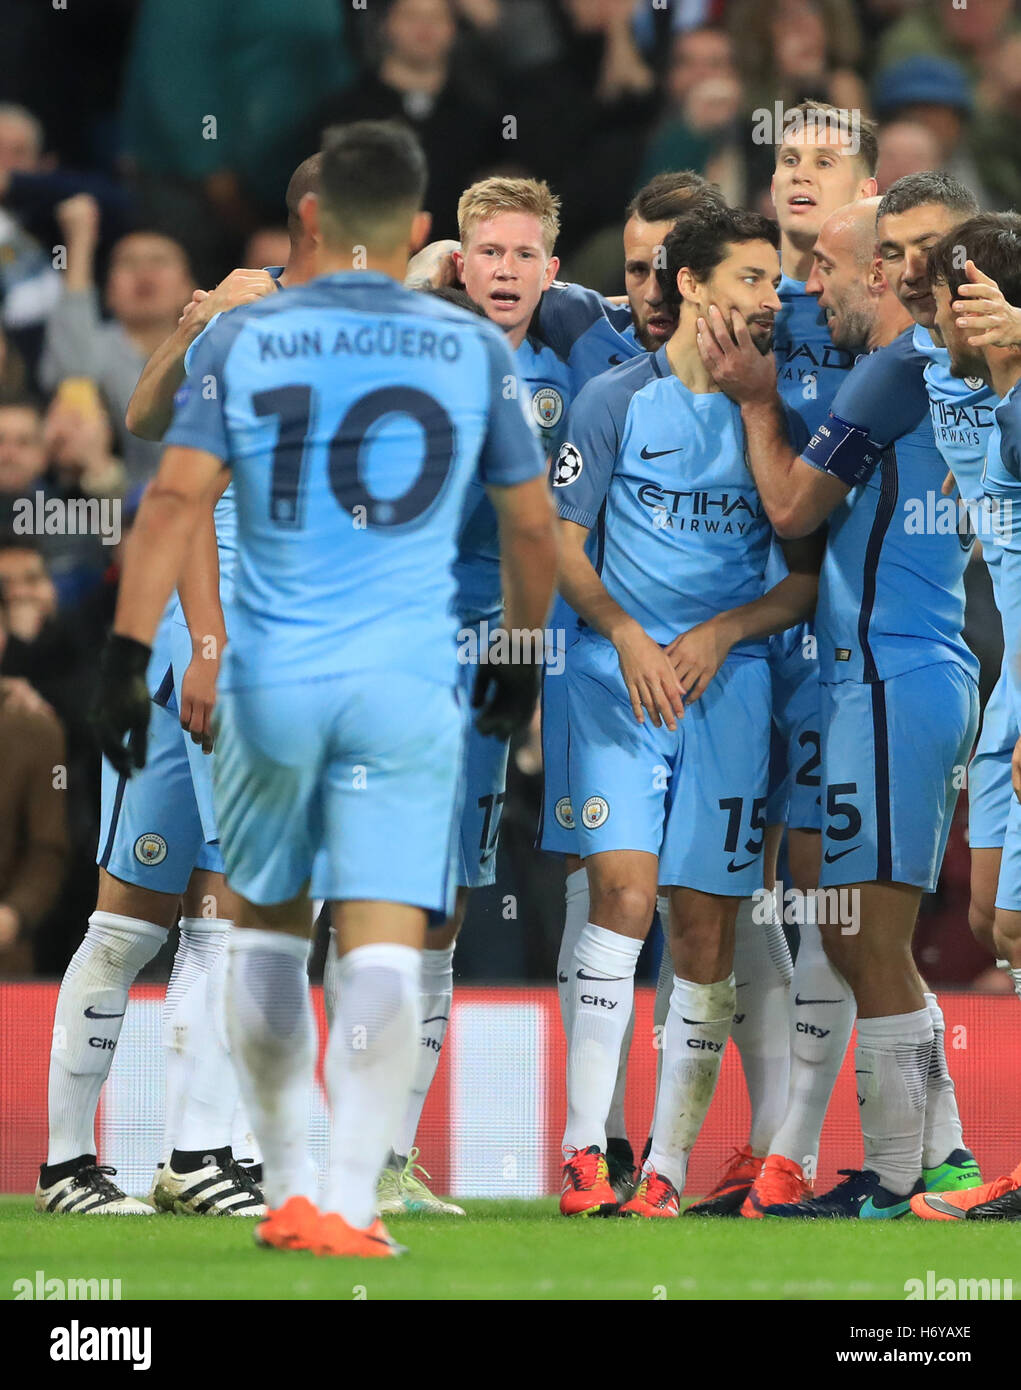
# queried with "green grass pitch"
point(511, 1250)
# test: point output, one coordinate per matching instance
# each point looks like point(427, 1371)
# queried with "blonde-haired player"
point(508, 230)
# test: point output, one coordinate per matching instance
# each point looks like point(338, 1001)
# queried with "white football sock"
point(1015, 975)
point(436, 993)
point(664, 989)
point(212, 1095)
point(821, 1013)
point(87, 1023)
point(891, 1063)
point(942, 1133)
point(370, 1065)
point(616, 1119)
point(575, 916)
point(759, 1028)
point(603, 979)
point(697, 1028)
point(272, 1035)
point(187, 1025)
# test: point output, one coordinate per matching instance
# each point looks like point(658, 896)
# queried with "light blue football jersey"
point(546, 382)
point(660, 474)
point(962, 419)
point(810, 370)
point(891, 591)
point(586, 331)
point(354, 414)
point(1002, 480)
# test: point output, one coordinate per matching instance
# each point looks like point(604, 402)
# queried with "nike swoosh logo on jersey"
point(615, 361)
point(733, 868)
point(647, 453)
point(91, 1013)
point(798, 1000)
point(832, 858)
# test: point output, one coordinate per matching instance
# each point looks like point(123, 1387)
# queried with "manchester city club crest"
point(594, 812)
point(547, 407)
point(150, 849)
point(973, 383)
point(564, 813)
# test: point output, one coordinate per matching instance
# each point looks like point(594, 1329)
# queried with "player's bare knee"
point(623, 907)
point(129, 900)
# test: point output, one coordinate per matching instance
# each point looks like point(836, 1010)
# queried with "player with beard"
point(899, 700)
point(822, 163)
point(674, 610)
point(916, 212)
point(992, 245)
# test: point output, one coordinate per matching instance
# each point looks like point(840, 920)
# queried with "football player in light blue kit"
point(989, 246)
point(595, 335)
point(819, 168)
point(672, 606)
point(353, 414)
point(508, 229)
point(156, 828)
point(925, 208)
point(152, 838)
point(898, 685)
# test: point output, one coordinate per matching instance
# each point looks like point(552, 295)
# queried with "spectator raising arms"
point(149, 282)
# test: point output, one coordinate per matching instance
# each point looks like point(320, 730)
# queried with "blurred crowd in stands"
point(145, 146)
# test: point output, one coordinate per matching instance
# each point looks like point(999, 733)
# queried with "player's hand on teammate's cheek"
point(650, 678)
point(733, 360)
point(982, 309)
point(697, 655)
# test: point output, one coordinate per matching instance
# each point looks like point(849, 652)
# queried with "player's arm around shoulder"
point(151, 407)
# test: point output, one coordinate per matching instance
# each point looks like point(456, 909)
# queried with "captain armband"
point(844, 451)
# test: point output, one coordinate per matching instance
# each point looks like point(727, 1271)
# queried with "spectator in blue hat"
point(936, 93)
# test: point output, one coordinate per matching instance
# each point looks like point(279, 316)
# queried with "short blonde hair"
point(489, 197)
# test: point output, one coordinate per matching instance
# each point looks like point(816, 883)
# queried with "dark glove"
point(505, 696)
point(122, 703)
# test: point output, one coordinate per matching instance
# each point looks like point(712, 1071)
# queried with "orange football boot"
point(654, 1196)
point(333, 1236)
point(780, 1180)
point(954, 1206)
point(586, 1189)
point(733, 1187)
point(289, 1227)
